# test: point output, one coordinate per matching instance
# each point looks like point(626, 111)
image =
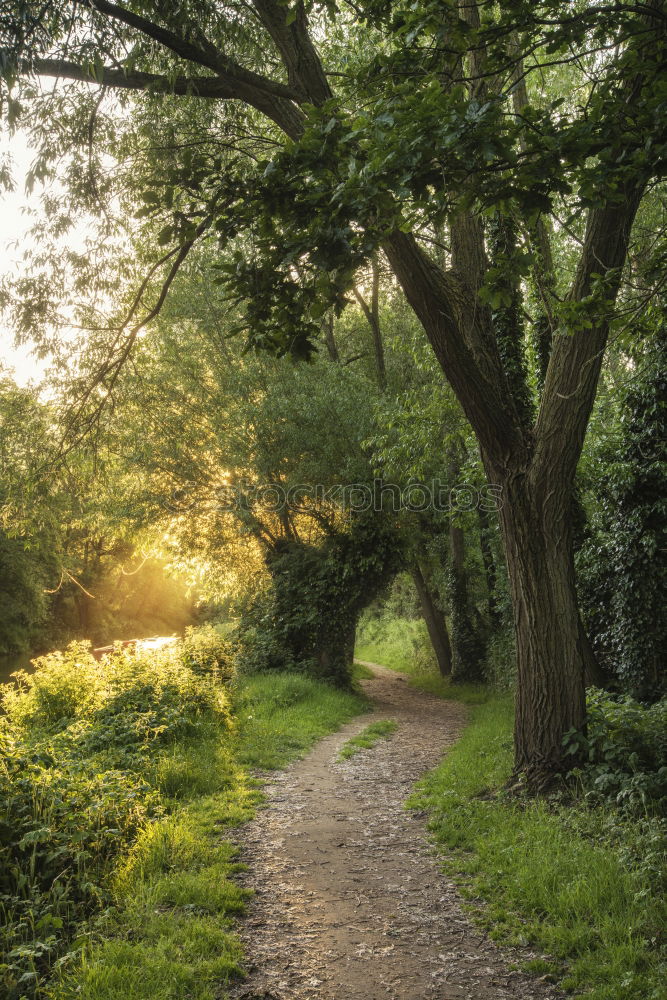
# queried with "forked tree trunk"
point(551, 655)
point(435, 623)
point(535, 466)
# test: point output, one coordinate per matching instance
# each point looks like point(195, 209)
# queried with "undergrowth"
point(118, 780)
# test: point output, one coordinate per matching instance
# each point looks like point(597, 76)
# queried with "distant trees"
point(70, 539)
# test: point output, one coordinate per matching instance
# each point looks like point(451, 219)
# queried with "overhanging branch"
point(205, 54)
point(284, 113)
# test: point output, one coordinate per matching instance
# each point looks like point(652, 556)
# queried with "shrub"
point(82, 748)
point(206, 651)
point(500, 667)
point(64, 686)
point(154, 698)
point(62, 823)
point(624, 752)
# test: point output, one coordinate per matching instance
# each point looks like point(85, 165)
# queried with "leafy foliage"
point(80, 744)
point(623, 564)
point(625, 753)
point(307, 618)
point(22, 600)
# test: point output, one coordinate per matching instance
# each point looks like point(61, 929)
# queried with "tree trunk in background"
point(435, 623)
point(83, 611)
point(468, 647)
point(330, 338)
point(489, 567)
point(372, 314)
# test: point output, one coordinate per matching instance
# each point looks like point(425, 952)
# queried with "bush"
point(65, 686)
point(624, 752)
point(83, 745)
point(622, 567)
point(62, 824)
point(206, 651)
point(154, 698)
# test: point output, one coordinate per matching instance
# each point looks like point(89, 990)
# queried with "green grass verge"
point(170, 934)
point(361, 673)
point(368, 737)
point(576, 884)
point(389, 651)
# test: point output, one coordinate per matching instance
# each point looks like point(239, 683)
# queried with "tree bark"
point(550, 697)
point(330, 339)
point(535, 468)
point(372, 314)
point(435, 623)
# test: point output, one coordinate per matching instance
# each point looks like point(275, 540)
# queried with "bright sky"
point(14, 224)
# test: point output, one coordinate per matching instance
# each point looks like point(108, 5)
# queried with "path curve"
point(350, 902)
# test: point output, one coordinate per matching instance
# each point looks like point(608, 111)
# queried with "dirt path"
point(350, 903)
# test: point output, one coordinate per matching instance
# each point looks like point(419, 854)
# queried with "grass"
point(393, 645)
point(397, 649)
point(368, 737)
point(552, 876)
point(282, 715)
point(170, 934)
point(361, 673)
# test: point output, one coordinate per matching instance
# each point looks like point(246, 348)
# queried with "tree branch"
point(576, 356)
point(205, 54)
point(446, 310)
point(284, 113)
point(304, 68)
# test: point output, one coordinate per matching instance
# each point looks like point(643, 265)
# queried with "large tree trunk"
point(551, 655)
point(435, 623)
point(535, 466)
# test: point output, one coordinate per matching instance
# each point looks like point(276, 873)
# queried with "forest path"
point(350, 902)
